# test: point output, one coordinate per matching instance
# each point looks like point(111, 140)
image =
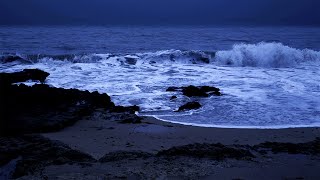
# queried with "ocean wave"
point(265, 55)
point(275, 55)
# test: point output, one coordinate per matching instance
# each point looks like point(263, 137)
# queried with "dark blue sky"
point(160, 12)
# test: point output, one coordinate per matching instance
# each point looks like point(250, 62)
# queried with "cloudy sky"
point(160, 12)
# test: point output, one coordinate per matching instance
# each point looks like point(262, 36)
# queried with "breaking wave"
point(273, 55)
point(265, 55)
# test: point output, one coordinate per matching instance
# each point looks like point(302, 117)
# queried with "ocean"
point(269, 76)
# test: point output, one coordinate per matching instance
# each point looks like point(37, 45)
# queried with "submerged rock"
point(131, 60)
point(189, 106)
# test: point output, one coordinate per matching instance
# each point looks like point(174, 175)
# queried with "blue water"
point(269, 75)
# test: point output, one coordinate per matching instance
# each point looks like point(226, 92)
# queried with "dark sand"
point(98, 135)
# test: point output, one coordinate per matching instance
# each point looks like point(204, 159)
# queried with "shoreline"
point(314, 125)
point(110, 135)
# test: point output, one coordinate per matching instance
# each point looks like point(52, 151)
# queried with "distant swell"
point(272, 55)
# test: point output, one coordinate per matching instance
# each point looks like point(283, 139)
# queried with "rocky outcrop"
point(189, 106)
point(42, 108)
point(34, 152)
point(193, 91)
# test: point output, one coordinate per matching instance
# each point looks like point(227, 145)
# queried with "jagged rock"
point(189, 106)
point(193, 91)
point(35, 152)
point(213, 151)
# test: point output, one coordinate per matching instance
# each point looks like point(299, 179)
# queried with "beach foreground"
point(161, 150)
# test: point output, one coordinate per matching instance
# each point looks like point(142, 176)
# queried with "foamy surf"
point(274, 55)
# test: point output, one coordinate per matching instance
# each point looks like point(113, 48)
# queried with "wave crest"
point(265, 55)
point(274, 55)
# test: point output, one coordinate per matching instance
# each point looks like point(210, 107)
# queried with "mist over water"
point(269, 77)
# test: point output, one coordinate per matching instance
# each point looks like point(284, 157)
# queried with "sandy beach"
point(98, 136)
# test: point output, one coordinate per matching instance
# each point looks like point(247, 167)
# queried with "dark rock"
point(130, 119)
point(309, 148)
point(173, 89)
point(36, 152)
point(122, 155)
point(173, 98)
point(210, 90)
point(189, 106)
point(213, 151)
point(26, 74)
point(122, 109)
point(131, 61)
point(193, 91)
point(41, 108)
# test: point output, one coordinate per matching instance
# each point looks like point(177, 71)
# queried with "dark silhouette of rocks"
point(189, 106)
point(193, 91)
point(33, 152)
